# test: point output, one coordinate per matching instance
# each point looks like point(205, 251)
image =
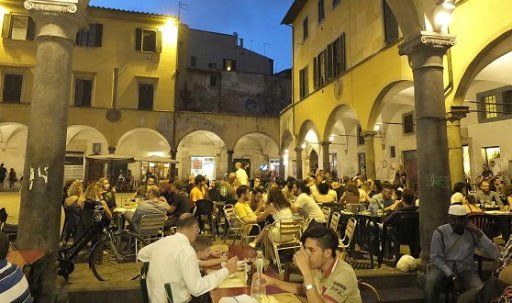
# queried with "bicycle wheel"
point(114, 257)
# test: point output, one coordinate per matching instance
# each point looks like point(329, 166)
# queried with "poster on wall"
point(361, 160)
point(203, 166)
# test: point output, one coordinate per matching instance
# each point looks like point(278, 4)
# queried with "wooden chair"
point(289, 236)
point(335, 220)
point(363, 286)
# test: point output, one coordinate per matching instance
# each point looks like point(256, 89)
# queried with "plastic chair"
point(232, 225)
point(150, 228)
point(366, 286)
point(143, 281)
point(335, 220)
point(406, 231)
point(327, 213)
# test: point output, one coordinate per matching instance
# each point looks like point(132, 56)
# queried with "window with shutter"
point(146, 94)
point(316, 78)
point(303, 82)
point(360, 137)
point(507, 102)
point(90, 38)
point(305, 29)
point(18, 27)
point(330, 62)
point(390, 24)
point(321, 11)
point(83, 92)
point(229, 65)
point(149, 40)
point(408, 123)
point(13, 84)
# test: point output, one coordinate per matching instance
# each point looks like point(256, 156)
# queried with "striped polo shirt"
point(13, 284)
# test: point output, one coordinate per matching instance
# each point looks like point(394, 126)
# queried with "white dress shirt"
point(173, 260)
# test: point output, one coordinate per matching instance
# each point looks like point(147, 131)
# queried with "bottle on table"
point(258, 290)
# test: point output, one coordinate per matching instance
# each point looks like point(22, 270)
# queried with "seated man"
point(487, 197)
point(13, 284)
point(452, 254)
point(382, 201)
point(244, 211)
point(326, 278)
point(179, 202)
point(152, 205)
point(173, 260)
point(306, 205)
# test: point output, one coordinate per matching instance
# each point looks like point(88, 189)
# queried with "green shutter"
point(99, 35)
point(138, 39)
point(159, 38)
point(31, 29)
point(6, 29)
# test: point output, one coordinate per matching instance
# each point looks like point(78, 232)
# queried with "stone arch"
point(202, 144)
point(13, 142)
point(257, 133)
point(9, 130)
point(163, 144)
point(74, 130)
point(413, 15)
point(492, 51)
point(391, 90)
point(336, 115)
point(286, 139)
point(305, 128)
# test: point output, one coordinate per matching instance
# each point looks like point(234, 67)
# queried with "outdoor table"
point(242, 251)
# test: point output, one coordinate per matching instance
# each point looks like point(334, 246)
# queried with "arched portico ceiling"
point(390, 100)
point(343, 114)
point(413, 16)
point(142, 142)
point(485, 66)
point(286, 140)
point(75, 130)
point(9, 130)
point(306, 127)
point(202, 137)
point(263, 141)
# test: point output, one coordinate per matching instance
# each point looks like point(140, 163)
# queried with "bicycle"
point(113, 255)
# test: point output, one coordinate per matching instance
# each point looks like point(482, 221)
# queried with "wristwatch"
point(308, 287)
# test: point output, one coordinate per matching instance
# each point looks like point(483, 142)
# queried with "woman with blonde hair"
point(72, 206)
point(93, 201)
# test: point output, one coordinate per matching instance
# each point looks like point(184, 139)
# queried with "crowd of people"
point(10, 176)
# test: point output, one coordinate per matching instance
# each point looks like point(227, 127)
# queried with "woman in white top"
point(280, 210)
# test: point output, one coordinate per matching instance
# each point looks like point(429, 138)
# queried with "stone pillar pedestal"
point(172, 168)
point(298, 161)
point(326, 165)
point(57, 23)
point(231, 166)
point(369, 145)
point(455, 152)
point(425, 52)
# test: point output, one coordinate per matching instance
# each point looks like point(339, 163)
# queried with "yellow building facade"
point(376, 88)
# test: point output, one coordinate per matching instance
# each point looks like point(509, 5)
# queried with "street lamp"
point(443, 15)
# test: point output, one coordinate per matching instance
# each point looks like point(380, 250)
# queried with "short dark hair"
point(198, 179)
point(4, 246)
point(408, 196)
point(302, 186)
point(323, 188)
point(186, 220)
point(242, 189)
point(459, 187)
point(326, 237)
point(202, 242)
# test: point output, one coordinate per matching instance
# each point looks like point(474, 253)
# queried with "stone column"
point(110, 166)
point(455, 152)
point(425, 52)
point(57, 23)
point(369, 146)
point(231, 166)
point(172, 169)
point(281, 165)
point(326, 165)
point(298, 161)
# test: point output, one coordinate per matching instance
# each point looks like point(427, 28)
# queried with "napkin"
point(238, 299)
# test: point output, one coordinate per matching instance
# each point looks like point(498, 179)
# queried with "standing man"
point(452, 254)
point(3, 174)
point(327, 279)
point(241, 174)
point(173, 260)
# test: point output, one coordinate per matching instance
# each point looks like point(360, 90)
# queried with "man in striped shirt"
point(13, 284)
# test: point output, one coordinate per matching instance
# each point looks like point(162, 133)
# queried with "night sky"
point(258, 22)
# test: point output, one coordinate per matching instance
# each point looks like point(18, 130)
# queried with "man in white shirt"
point(305, 204)
point(241, 174)
point(173, 260)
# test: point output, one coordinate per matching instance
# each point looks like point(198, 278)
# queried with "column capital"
point(325, 143)
point(369, 134)
point(421, 47)
point(174, 151)
point(230, 152)
point(71, 15)
point(298, 149)
point(111, 150)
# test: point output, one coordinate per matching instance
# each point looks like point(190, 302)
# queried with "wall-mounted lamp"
point(331, 138)
point(303, 145)
point(443, 15)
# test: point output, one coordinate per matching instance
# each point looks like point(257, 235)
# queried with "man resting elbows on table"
point(326, 278)
point(173, 260)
